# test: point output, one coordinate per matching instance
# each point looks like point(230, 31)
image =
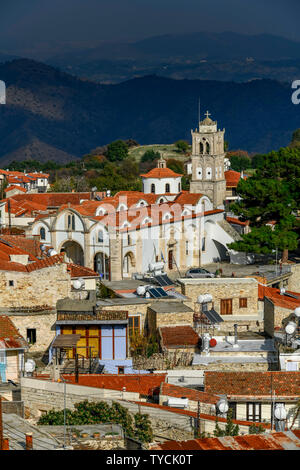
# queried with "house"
point(254, 396)
point(234, 299)
point(194, 397)
point(12, 350)
point(279, 305)
point(276, 441)
point(179, 339)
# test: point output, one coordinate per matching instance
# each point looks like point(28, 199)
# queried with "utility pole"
point(199, 423)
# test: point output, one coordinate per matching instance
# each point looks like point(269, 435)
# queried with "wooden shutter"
point(226, 307)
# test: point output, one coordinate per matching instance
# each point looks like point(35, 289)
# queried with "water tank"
point(282, 291)
point(178, 402)
point(156, 266)
point(290, 328)
point(204, 298)
point(29, 365)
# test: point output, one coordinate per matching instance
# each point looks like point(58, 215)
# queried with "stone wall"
point(294, 279)
point(43, 395)
point(157, 319)
point(41, 288)
point(44, 324)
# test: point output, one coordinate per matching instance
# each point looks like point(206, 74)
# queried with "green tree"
point(271, 195)
point(117, 151)
point(182, 146)
point(254, 429)
point(230, 429)
point(150, 155)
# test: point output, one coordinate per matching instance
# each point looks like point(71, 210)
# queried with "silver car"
point(198, 272)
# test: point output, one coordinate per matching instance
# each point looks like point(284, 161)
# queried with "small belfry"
point(208, 161)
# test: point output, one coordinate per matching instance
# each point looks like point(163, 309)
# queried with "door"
point(170, 259)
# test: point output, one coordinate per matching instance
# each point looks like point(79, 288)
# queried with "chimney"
point(29, 445)
point(235, 345)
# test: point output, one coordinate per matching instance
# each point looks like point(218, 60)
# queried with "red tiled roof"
point(30, 245)
point(81, 271)
point(283, 384)
point(10, 337)
point(144, 384)
point(40, 264)
point(233, 220)
point(270, 441)
point(38, 175)
point(194, 395)
point(232, 178)
point(6, 251)
point(278, 299)
point(161, 173)
point(54, 199)
point(19, 188)
point(178, 336)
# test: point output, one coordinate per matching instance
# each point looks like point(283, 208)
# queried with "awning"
point(66, 341)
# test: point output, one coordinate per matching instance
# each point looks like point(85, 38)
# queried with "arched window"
point(167, 188)
point(42, 233)
point(207, 148)
point(179, 187)
point(153, 188)
point(100, 236)
point(201, 147)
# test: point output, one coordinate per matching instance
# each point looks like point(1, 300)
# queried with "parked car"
point(198, 272)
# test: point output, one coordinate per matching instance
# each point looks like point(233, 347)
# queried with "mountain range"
point(53, 115)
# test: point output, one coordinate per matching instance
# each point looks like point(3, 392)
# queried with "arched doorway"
point(74, 252)
point(102, 265)
point(128, 264)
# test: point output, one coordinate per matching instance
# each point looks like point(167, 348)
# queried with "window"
point(71, 222)
point(179, 187)
point(203, 244)
point(31, 335)
point(167, 188)
point(121, 370)
point(226, 307)
point(42, 233)
point(152, 188)
point(254, 412)
point(100, 236)
point(133, 325)
point(11, 283)
point(232, 407)
point(2, 357)
point(128, 240)
point(243, 302)
point(186, 247)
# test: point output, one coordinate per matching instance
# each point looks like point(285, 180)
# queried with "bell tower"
point(208, 161)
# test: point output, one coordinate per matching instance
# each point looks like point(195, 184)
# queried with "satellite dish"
point(297, 312)
point(280, 411)
point(76, 284)
point(282, 291)
point(29, 365)
point(141, 290)
point(52, 252)
point(223, 406)
point(290, 328)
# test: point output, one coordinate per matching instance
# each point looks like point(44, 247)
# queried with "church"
point(127, 233)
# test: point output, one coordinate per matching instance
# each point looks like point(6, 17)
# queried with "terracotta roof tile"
point(10, 337)
point(144, 384)
point(278, 299)
point(194, 395)
point(161, 173)
point(285, 384)
point(179, 336)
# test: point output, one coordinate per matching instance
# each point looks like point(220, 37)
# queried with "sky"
point(28, 23)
